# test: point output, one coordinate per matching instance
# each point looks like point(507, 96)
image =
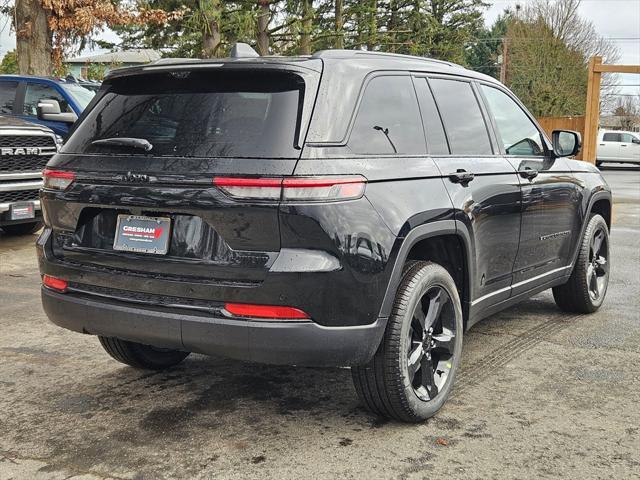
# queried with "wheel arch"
point(600, 203)
point(446, 242)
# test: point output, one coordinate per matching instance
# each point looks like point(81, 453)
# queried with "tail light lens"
point(293, 189)
point(265, 311)
point(57, 179)
point(250, 188)
point(54, 283)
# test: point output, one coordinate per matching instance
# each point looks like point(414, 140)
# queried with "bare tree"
point(628, 112)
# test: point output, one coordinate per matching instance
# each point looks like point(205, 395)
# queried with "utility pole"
point(503, 60)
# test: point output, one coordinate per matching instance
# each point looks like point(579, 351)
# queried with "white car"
point(618, 147)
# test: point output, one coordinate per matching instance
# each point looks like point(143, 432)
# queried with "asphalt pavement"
point(540, 394)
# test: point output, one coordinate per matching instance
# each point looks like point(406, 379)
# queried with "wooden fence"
point(550, 124)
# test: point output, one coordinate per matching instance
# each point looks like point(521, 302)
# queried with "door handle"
point(462, 177)
point(623, 145)
point(528, 173)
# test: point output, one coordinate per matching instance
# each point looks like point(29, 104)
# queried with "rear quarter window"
point(197, 114)
point(388, 119)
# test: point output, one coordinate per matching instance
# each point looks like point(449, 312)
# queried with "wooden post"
point(592, 111)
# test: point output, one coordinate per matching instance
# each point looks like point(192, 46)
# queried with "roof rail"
point(336, 53)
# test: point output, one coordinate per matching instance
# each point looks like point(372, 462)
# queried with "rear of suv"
point(345, 209)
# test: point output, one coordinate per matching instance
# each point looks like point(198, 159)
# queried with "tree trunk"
point(211, 40)
point(33, 38)
point(264, 16)
point(339, 24)
point(307, 23)
point(372, 39)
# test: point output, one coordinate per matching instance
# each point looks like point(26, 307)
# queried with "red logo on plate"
point(157, 232)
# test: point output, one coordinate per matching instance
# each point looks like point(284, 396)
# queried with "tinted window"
point(436, 139)
point(518, 133)
point(7, 96)
point(466, 130)
point(197, 114)
point(611, 137)
point(388, 119)
point(37, 92)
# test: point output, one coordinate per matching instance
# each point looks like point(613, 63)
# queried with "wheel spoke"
point(415, 358)
point(419, 315)
point(428, 381)
point(597, 243)
point(435, 308)
point(592, 280)
point(444, 341)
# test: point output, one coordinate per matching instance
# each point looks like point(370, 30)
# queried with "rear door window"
point(197, 114)
point(436, 138)
point(462, 117)
point(37, 92)
point(611, 137)
point(7, 96)
point(388, 119)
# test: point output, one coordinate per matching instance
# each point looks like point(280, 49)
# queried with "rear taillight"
point(54, 283)
point(57, 179)
point(272, 312)
point(293, 189)
point(250, 188)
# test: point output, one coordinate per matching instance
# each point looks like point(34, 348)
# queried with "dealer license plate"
point(135, 233)
point(22, 211)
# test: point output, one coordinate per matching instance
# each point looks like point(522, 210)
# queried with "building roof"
point(139, 55)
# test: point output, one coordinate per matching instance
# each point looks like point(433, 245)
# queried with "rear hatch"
point(134, 190)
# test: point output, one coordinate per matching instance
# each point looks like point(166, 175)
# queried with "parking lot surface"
point(540, 394)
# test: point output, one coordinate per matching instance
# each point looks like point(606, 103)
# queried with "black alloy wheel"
point(432, 343)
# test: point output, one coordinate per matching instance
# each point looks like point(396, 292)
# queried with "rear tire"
point(412, 372)
point(141, 356)
point(586, 288)
point(22, 228)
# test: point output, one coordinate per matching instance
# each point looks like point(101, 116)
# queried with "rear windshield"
point(197, 114)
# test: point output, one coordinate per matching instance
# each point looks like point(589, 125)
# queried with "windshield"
point(81, 95)
point(196, 114)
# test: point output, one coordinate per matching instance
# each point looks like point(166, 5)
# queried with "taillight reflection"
point(57, 179)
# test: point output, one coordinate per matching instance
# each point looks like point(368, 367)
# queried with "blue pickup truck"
point(20, 96)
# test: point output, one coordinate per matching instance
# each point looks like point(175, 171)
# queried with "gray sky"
point(615, 19)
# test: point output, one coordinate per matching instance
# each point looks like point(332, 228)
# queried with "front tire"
point(587, 286)
point(141, 356)
point(22, 228)
point(412, 372)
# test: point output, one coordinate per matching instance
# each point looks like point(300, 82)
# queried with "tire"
point(141, 356)
point(584, 293)
point(394, 383)
point(22, 228)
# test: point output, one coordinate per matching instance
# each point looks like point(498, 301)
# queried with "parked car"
point(21, 95)
point(25, 148)
point(345, 209)
point(618, 147)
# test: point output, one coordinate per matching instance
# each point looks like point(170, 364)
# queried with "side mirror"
point(50, 110)
point(566, 143)
point(635, 140)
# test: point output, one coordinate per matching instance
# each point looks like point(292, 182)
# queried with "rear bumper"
point(288, 343)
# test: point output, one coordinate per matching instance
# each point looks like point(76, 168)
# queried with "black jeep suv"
point(344, 209)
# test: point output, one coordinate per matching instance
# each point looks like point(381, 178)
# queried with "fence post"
point(592, 111)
